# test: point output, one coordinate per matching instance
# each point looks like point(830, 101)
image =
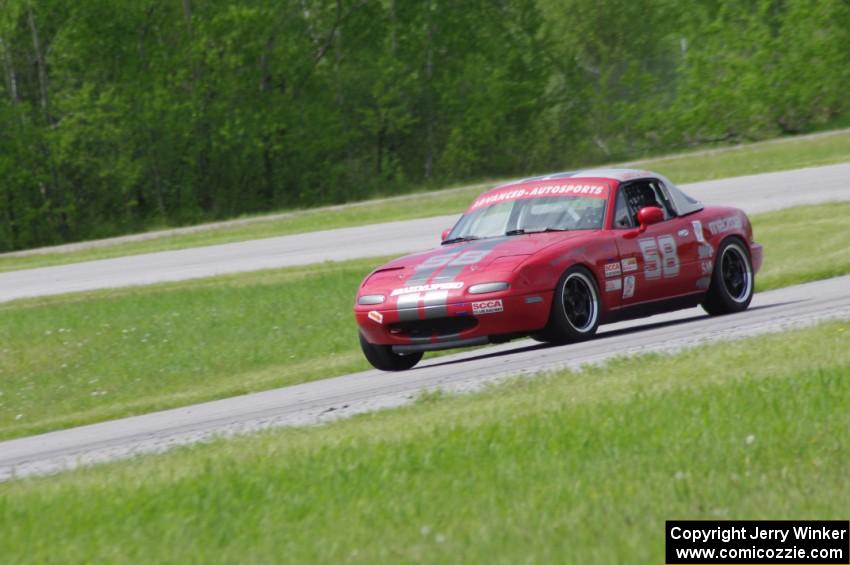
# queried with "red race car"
point(553, 257)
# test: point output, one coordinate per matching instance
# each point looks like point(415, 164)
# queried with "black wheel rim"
point(579, 300)
point(737, 277)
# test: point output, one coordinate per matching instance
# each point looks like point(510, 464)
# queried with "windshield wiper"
point(522, 231)
point(458, 239)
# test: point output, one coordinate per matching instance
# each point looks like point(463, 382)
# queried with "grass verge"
point(572, 467)
point(741, 160)
point(81, 358)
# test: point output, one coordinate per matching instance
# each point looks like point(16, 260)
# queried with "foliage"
point(120, 115)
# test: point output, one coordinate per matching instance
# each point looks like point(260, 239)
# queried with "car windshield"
point(530, 215)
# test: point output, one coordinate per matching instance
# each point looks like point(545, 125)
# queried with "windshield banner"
point(509, 194)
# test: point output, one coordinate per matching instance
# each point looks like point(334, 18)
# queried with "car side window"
point(622, 217)
point(645, 193)
point(664, 198)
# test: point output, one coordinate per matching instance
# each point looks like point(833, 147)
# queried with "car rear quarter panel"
point(721, 222)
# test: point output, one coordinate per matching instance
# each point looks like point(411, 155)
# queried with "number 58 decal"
point(659, 257)
point(454, 259)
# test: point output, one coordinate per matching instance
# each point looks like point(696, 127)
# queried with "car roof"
point(616, 174)
point(683, 203)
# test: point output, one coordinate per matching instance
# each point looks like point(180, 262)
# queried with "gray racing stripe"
point(432, 264)
point(408, 304)
point(451, 271)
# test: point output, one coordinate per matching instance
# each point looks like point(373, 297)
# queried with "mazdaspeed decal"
point(376, 316)
point(416, 289)
point(628, 286)
point(630, 264)
point(612, 269)
point(724, 224)
point(487, 307)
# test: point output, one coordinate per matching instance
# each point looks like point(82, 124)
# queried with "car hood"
point(455, 267)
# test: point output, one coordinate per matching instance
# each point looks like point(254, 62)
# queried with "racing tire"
point(731, 288)
point(575, 311)
point(382, 356)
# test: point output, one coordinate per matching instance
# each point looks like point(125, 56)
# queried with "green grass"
point(81, 358)
point(803, 244)
point(75, 359)
point(787, 154)
point(572, 467)
point(741, 160)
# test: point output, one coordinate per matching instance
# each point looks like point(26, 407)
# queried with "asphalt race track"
point(328, 399)
point(756, 193)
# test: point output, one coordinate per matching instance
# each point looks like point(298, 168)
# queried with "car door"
point(658, 263)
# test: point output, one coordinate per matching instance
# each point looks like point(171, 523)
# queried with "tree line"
point(123, 115)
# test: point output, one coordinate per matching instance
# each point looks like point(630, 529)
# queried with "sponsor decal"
point(724, 224)
point(487, 307)
point(683, 233)
point(705, 266)
point(703, 282)
point(376, 316)
point(630, 264)
point(706, 251)
point(698, 230)
point(416, 289)
point(613, 284)
point(575, 189)
point(629, 286)
point(612, 270)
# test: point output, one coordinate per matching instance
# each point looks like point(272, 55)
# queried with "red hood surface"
point(500, 247)
point(452, 269)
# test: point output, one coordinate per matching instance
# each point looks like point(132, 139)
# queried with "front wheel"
point(575, 308)
point(731, 288)
point(382, 356)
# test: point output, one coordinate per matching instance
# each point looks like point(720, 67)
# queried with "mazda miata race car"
point(553, 257)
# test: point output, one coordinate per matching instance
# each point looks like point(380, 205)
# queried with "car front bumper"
point(458, 324)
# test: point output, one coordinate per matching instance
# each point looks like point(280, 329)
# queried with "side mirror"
point(445, 234)
point(646, 217)
point(650, 215)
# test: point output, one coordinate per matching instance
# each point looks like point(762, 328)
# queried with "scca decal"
point(612, 270)
point(487, 307)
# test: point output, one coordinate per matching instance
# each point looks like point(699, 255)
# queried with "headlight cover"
point(488, 287)
point(370, 299)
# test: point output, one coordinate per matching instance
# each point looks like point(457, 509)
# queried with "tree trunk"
point(53, 190)
point(429, 93)
point(187, 12)
point(9, 69)
point(40, 66)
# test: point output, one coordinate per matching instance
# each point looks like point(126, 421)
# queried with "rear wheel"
point(382, 356)
point(575, 308)
point(731, 288)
